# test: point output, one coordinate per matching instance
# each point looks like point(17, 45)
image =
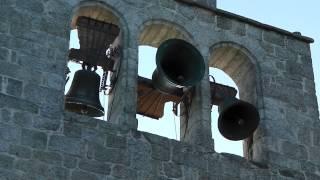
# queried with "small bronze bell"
point(237, 119)
point(83, 95)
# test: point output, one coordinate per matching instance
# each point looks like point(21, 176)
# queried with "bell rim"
point(100, 111)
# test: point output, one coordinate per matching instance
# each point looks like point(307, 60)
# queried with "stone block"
point(84, 121)
point(46, 123)
point(4, 146)
point(22, 119)
point(5, 40)
point(23, 29)
point(172, 170)
point(9, 133)
point(6, 115)
point(10, 175)
point(52, 158)
point(40, 94)
point(123, 172)
point(72, 130)
point(160, 146)
point(206, 19)
point(140, 154)
point(190, 156)
point(308, 166)
point(295, 45)
point(34, 139)
point(291, 174)
point(316, 138)
point(284, 53)
point(299, 70)
point(36, 169)
point(160, 153)
point(4, 54)
point(314, 158)
point(69, 161)
point(4, 28)
point(9, 70)
point(34, 49)
point(1, 81)
point(58, 173)
point(254, 32)
point(32, 6)
point(168, 4)
point(92, 135)
point(16, 103)
point(305, 136)
point(224, 23)
point(20, 151)
point(116, 141)
point(105, 126)
point(312, 176)
point(211, 4)
point(274, 158)
point(55, 27)
point(273, 37)
point(119, 156)
point(81, 175)
point(95, 166)
point(268, 48)
point(186, 12)
point(6, 162)
point(61, 44)
point(239, 28)
point(51, 111)
point(65, 144)
point(31, 166)
point(55, 81)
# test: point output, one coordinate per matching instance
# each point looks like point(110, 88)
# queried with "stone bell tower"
point(40, 140)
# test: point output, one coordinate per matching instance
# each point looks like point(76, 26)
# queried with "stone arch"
point(241, 65)
point(154, 32)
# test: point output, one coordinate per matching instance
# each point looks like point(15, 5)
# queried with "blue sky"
point(285, 14)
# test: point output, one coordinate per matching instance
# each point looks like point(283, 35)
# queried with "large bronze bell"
point(179, 64)
point(237, 119)
point(83, 95)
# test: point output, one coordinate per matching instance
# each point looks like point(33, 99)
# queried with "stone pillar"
point(195, 125)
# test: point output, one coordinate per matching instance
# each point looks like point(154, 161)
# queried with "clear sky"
point(285, 14)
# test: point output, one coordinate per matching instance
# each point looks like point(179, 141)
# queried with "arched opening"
point(94, 50)
point(151, 36)
point(237, 63)
point(221, 143)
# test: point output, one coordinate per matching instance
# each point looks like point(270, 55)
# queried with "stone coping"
point(224, 13)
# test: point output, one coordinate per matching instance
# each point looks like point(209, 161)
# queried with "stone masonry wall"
point(91, 149)
point(38, 140)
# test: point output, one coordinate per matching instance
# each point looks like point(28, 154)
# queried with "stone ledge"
point(206, 4)
point(255, 23)
point(261, 25)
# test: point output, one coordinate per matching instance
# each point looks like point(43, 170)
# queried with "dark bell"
point(179, 64)
point(237, 119)
point(83, 95)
